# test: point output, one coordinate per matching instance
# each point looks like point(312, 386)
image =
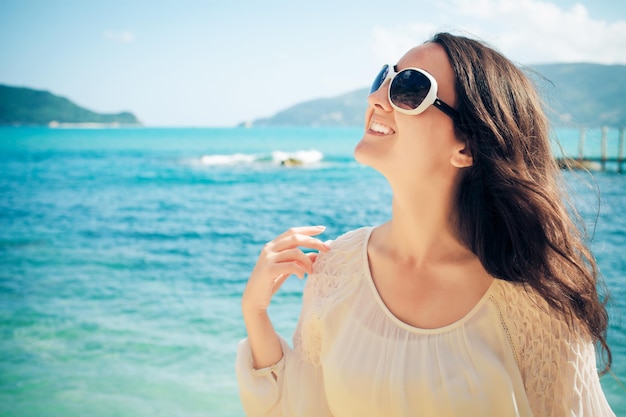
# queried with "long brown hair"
point(513, 213)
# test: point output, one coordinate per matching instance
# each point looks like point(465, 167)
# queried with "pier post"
point(581, 144)
point(620, 150)
point(605, 130)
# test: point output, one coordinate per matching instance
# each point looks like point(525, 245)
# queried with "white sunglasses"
point(411, 91)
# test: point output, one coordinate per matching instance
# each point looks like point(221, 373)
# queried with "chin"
point(366, 153)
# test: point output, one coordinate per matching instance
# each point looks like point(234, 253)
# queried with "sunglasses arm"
point(446, 109)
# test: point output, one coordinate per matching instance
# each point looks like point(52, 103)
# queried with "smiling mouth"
point(381, 129)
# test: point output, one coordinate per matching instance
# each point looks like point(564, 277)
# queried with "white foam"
point(238, 158)
point(297, 158)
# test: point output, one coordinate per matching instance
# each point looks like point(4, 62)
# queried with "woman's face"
point(418, 149)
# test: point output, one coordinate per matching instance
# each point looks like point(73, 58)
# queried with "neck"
point(422, 229)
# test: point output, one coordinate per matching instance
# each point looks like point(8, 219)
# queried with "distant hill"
point(576, 94)
point(585, 94)
point(344, 110)
point(25, 106)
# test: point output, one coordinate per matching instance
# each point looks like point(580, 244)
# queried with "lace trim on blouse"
point(332, 281)
point(556, 361)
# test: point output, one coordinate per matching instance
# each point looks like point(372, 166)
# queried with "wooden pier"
point(595, 163)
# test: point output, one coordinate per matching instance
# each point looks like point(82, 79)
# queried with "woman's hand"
point(279, 259)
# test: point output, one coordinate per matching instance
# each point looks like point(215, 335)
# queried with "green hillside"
point(576, 94)
point(25, 106)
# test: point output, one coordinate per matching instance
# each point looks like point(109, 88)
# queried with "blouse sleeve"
point(294, 386)
point(557, 362)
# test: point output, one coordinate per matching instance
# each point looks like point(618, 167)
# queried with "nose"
point(380, 99)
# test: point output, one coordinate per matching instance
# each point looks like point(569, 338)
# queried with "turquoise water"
point(123, 254)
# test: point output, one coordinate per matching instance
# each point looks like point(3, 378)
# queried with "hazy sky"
point(217, 63)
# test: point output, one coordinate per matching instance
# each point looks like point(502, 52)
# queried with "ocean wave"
point(297, 158)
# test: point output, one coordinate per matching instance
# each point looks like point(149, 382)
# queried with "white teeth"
point(381, 128)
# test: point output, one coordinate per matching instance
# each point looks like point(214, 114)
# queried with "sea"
point(124, 253)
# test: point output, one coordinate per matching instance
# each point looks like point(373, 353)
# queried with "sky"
point(219, 63)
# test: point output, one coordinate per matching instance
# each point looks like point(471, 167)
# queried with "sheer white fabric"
point(509, 356)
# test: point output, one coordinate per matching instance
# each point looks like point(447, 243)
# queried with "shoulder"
point(347, 251)
point(556, 356)
point(540, 335)
point(516, 300)
point(528, 311)
point(528, 314)
point(335, 272)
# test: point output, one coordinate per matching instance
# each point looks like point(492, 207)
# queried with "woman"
point(477, 298)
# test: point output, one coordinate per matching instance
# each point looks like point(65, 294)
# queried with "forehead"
point(430, 57)
point(434, 59)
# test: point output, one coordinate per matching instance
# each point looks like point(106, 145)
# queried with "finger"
point(286, 268)
point(298, 236)
point(294, 241)
point(307, 266)
point(304, 230)
point(278, 282)
point(294, 255)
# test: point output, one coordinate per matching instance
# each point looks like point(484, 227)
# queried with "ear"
point(461, 156)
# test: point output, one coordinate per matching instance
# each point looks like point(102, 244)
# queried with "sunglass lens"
point(380, 79)
point(408, 89)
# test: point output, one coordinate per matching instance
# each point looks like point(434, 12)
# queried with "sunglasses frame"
point(430, 99)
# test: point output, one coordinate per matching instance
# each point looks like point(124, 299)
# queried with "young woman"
point(477, 298)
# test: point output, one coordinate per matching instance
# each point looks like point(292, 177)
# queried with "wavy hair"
point(513, 211)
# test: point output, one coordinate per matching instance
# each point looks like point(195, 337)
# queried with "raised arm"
point(279, 259)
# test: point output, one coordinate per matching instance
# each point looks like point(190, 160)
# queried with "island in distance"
point(577, 94)
point(20, 106)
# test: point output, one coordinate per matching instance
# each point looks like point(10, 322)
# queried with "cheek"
point(424, 146)
point(416, 140)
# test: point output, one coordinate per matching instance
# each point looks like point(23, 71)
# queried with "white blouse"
point(511, 355)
